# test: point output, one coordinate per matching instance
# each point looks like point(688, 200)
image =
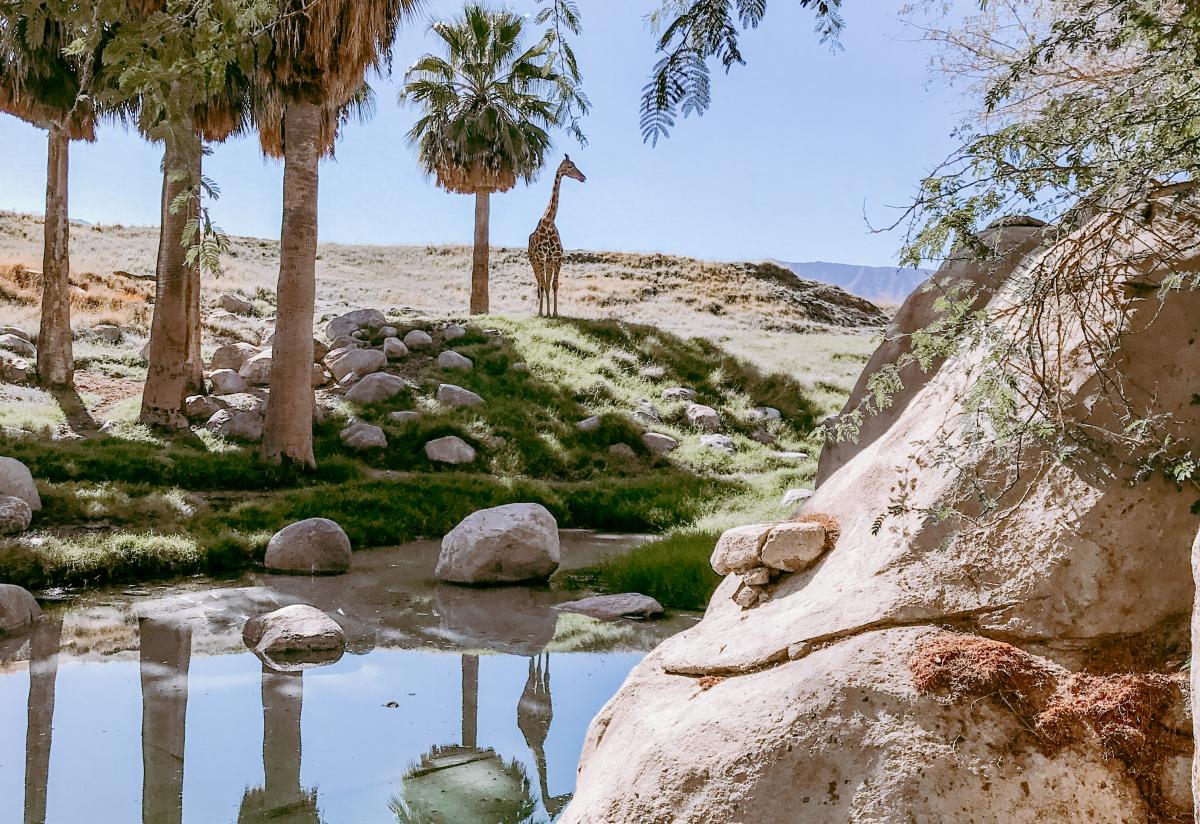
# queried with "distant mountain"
point(881, 284)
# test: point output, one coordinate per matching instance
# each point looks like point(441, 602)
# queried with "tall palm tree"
point(42, 85)
point(318, 56)
point(487, 108)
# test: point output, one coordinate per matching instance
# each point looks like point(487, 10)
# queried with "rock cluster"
point(759, 553)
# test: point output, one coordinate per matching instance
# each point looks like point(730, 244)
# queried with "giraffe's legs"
point(554, 286)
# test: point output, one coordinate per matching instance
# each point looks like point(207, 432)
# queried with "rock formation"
point(1067, 554)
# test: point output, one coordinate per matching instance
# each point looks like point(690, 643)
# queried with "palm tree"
point(318, 56)
point(487, 108)
point(43, 86)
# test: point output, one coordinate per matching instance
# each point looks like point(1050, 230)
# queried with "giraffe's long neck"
point(552, 209)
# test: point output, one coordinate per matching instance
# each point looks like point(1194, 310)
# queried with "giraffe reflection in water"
point(535, 711)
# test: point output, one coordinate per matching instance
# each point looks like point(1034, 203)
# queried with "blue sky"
point(799, 144)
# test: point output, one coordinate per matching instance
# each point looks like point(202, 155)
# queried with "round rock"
point(17, 345)
point(363, 436)
point(376, 388)
point(453, 360)
point(257, 369)
point(454, 331)
point(505, 544)
point(452, 395)
point(316, 546)
point(612, 607)
point(15, 480)
point(228, 382)
point(703, 417)
point(236, 304)
point(394, 349)
point(295, 637)
point(236, 423)
point(15, 515)
point(418, 339)
point(450, 450)
point(18, 608)
point(342, 362)
point(659, 443)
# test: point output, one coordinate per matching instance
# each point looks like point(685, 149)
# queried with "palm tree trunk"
point(288, 433)
point(43, 672)
point(479, 262)
point(165, 657)
point(55, 360)
point(163, 396)
point(193, 372)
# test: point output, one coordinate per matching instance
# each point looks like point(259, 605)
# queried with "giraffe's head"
point(568, 169)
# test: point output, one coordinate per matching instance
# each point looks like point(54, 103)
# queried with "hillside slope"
point(882, 284)
point(688, 296)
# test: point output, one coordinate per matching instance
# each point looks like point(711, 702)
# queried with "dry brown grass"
point(105, 298)
point(970, 665)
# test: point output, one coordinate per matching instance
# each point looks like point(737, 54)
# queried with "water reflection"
point(155, 707)
point(43, 672)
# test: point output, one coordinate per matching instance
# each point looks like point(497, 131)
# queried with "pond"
point(450, 706)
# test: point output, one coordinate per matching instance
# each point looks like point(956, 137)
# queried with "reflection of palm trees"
point(281, 799)
point(43, 671)
point(463, 783)
point(166, 654)
point(535, 711)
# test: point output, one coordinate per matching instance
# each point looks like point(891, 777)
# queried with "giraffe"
point(545, 244)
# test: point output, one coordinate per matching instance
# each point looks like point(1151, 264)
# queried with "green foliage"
point(488, 104)
point(674, 570)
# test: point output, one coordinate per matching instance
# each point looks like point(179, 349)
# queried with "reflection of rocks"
point(295, 637)
point(281, 799)
point(166, 653)
point(459, 785)
point(612, 607)
point(43, 672)
point(513, 620)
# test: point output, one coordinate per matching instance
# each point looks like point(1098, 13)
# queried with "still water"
point(450, 706)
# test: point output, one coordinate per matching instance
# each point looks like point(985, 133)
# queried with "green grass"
point(673, 569)
point(140, 504)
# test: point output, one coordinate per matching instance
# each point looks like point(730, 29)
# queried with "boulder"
point(362, 436)
point(702, 417)
point(453, 360)
point(659, 443)
point(451, 395)
point(15, 369)
point(453, 332)
point(647, 413)
point(316, 546)
point(17, 331)
point(236, 423)
point(505, 544)
point(1069, 561)
point(233, 355)
point(721, 443)
point(612, 607)
point(244, 401)
point(418, 339)
point(257, 369)
point(404, 416)
point(319, 376)
point(740, 549)
point(320, 350)
point(520, 366)
point(236, 304)
point(394, 349)
point(622, 450)
point(679, 393)
point(964, 274)
point(363, 362)
point(16, 480)
point(228, 382)
point(352, 322)
point(342, 342)
point(450, 450)
point(18, 346)
point(107, 332)
point(377, 388)
point(388, 332)
point(765, 413)
point(589, 424)
point(201, 407)
point(18, 608)
point(294, 638)
point(15, 515)
point(793, 547)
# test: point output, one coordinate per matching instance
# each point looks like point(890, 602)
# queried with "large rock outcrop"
point(805, 709)
point(965, 276)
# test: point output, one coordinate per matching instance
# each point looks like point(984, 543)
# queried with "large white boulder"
point(418, 339)
point(355, 321)
point(702, 417)
point(18, 608)
point(505, 544)
point(15, 480)
point(394, 349)
point(362, 436)
point(15, 515)
point(233, 355)
point(659, 443)
point(362, 362)
point(316, 546)
point(17, 345)
point(453, 332)
point(236, 304)
point(201, 407)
